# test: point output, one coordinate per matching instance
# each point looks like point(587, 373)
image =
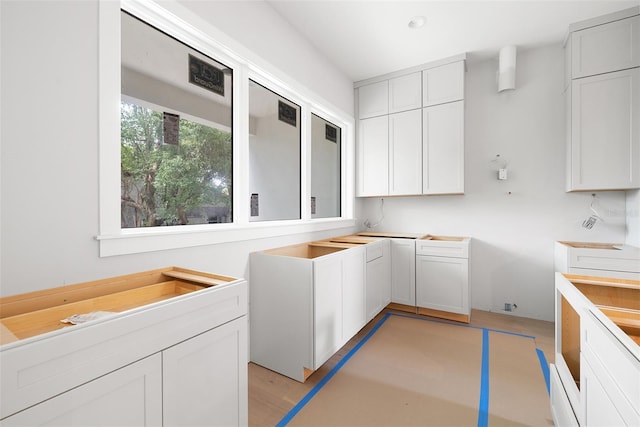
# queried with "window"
point(144, 79)
point(175, 132)
point(274, 155)
point(326, 143)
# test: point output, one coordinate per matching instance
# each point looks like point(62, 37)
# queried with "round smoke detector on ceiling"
point(417, 22)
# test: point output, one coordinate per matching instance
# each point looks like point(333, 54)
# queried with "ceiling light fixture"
point(417, 22)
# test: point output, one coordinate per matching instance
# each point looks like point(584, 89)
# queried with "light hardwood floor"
point(271, 395)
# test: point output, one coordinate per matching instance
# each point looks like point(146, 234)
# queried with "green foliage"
point(164, 184)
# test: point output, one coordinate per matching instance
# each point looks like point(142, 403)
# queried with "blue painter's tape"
point(545, 369)
point(294, 411)
point(483, 409)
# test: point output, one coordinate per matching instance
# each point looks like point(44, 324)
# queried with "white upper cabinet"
point(603, 103)
point(373, 100)
point(373, 157)
point(604, 48)
point(443, 149)
point(405, 93)
point(398, 152)
point(405, 153)
point(443, 84)
point(605, 139)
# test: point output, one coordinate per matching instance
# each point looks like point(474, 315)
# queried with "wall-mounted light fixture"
point(507, 68)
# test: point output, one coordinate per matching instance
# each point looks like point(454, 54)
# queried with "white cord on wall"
point(368, 224)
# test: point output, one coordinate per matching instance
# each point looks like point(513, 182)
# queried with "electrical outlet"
point(507, 306)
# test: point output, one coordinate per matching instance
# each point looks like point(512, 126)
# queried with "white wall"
point(49, 143)
point(515, 222)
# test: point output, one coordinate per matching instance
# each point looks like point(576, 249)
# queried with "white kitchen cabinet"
point(373, 100)
point(403, 272)
point(607, 47)
point(405, 93)
point(443, 149)
point(442, 277)
point(597, 351)
point(443, 84)
point(378, 277)
point(116, 370)
point(373, 157)
point(306, 302)
point(203, 378)
point(393, 157)
point(597, 259)
point(600, 410)
point(603, 102)
point(405, 153)
point(130, 396)
point(605, 131)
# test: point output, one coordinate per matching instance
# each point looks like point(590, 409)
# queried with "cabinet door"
point(378, 279)
point(605, 139)
point(205, 378)
point(604, 48)
point(599, 409)
point(443, 84)
point(373, 157)
point(442, 283)
point(130, 396)
point(373, 100)
point(405, 93)
point(405, 153)
point(403, 271)
point(353, 292)
point(443, 149)
point(327, 285)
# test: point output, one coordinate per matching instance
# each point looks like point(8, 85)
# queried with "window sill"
point(132, 241)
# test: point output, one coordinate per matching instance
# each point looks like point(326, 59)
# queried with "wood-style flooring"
point(271, 395)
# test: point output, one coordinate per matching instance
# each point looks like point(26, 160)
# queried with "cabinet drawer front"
point(611, 361)
point(605, 260)
point(38, 369)
point(605, 48)
point(442, 248)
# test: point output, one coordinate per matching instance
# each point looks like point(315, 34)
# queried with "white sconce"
point(507, 68)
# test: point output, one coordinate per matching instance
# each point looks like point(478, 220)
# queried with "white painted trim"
point(177, 21)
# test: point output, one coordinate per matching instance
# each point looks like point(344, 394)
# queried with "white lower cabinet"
point(178, 357)
point(378, 278)
point(442, 283)
point(403, 271)
point(442, 277)
point(130, 396)
point(203, 378)
point(599, 409)
point(306, 302)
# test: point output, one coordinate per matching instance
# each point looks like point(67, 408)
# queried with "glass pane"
point(176, 141)
point(274, 156)
point(325, 168)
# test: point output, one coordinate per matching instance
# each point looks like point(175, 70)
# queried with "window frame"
point(114, 240)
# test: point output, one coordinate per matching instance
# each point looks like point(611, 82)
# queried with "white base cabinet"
point(131, 396)
point(175, 354)
point(378, 278)
point(442, 277)
point(306, 303)
point(403, 271)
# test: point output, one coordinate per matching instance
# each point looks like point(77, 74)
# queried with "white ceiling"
point(366, 38)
